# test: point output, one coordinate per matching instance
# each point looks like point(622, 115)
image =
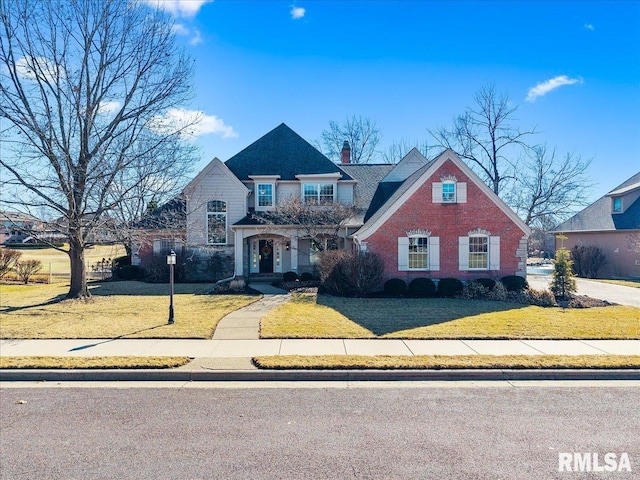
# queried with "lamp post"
point(171, 261)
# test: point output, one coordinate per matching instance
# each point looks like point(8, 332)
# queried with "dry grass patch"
point(116, 310)
point(92, 362)
point(624, 283)
point(435, 362)
point(311, 316)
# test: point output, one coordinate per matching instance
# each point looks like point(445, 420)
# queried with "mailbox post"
point(171, 261)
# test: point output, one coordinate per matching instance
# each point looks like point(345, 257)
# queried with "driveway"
point(592, 288)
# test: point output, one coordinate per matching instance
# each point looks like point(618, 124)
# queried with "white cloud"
point(32, 67)
point(180, 118)
point(589, 26)
point(545, 87)
point(196, 36)
point(196, 39)
point(179, 8)
point(109, 107)
point(297, 12)
point(180, 29)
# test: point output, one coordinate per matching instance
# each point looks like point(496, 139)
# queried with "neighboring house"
point(159, 232)
point(17, 227)
point(425, 218)
point(611, 223)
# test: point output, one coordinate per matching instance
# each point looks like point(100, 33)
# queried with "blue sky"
point(572, 67)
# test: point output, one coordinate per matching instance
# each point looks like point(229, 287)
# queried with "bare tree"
point(549, 186)
point(362, 134)
point(319, 223)
point(86, 87)
point(399, 148)
point(8, 260)
point(485, 136)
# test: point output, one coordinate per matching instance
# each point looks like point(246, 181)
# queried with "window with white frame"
point(448, 192)
point(479, 252)
point(264, 195)
point(216, 222)
point(418, 253)
point(320, 193)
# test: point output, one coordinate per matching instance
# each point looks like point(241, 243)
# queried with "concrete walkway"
point(592, 288)
point(226, 349)
point(244, 324)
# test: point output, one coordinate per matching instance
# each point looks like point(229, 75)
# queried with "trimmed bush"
point(129, 272)
point(422, 288)
point(514, 283)
point(487, 283)
point(449, 287)
point(395, 287)
point(474, 290)
point(306, 277)
point(289, 276)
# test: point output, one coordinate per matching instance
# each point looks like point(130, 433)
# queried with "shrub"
point(158, 270)
point(218, 266)
point(129, 272)
point(562, 284)
point(353, 273)
point(449, 287)
point(587, 260)
point(498, 293)
point(8, 260)
point(487, 283)
point(422, 288)
point(540, 298)
point(27, 268)
point(474, 290)
point(306, 277)
point(514, 283)
point(289, 276)
point(120, 262)
point(395, 287)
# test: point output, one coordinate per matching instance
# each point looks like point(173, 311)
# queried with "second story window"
point(265, 195)
point(448, 192)
point(320, 193)
point(617, 205)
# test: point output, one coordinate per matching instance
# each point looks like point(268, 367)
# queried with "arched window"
point(217, 222)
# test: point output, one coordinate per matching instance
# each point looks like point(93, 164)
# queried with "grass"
point(116, 310)
point(435, 362)
point(624, 283)
point(92, 362)
point(311, 316)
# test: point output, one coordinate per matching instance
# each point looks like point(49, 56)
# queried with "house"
point(17, 227)
point(424, 218)
point(611, 223)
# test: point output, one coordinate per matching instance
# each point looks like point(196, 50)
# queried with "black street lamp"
point(171, 261)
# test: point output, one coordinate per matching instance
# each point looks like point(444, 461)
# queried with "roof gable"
point(411, 163)
point(281, 152)
point(213, 165)
point(412, 183)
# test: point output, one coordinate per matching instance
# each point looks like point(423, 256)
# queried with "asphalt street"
point(308, 433)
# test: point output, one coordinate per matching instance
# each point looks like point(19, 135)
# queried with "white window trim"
point(493, 253)
point(433, 254)
point(455, 192)
point(459, 194)
point(217, 214)
point(471, 269)
point(319, 184)
point(262, 208)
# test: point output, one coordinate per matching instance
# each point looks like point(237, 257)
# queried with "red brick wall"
point(447, 221)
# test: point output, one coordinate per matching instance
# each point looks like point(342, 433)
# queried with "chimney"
point(346, 152)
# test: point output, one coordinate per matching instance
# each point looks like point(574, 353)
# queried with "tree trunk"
point(78, 287)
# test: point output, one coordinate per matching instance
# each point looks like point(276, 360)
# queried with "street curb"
point(312, 375)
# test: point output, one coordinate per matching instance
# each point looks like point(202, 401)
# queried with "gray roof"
point(281, 152)
point(598, 216)
point(368, 177)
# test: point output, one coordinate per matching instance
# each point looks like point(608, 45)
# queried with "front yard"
point(322, 316)
point(116, 310)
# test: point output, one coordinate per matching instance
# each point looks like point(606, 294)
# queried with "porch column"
point(294, 253)
point(238, 252)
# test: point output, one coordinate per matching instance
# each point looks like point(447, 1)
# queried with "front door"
point(266, 256)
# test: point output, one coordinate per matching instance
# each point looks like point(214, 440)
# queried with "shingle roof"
point(281, 152)
point(598, 215)
point(368, 177)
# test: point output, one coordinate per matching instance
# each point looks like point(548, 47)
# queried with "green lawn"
point(322, 316)
point(116, 309)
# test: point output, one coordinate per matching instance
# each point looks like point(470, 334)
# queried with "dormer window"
point(264, 191)
point(617, 205)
